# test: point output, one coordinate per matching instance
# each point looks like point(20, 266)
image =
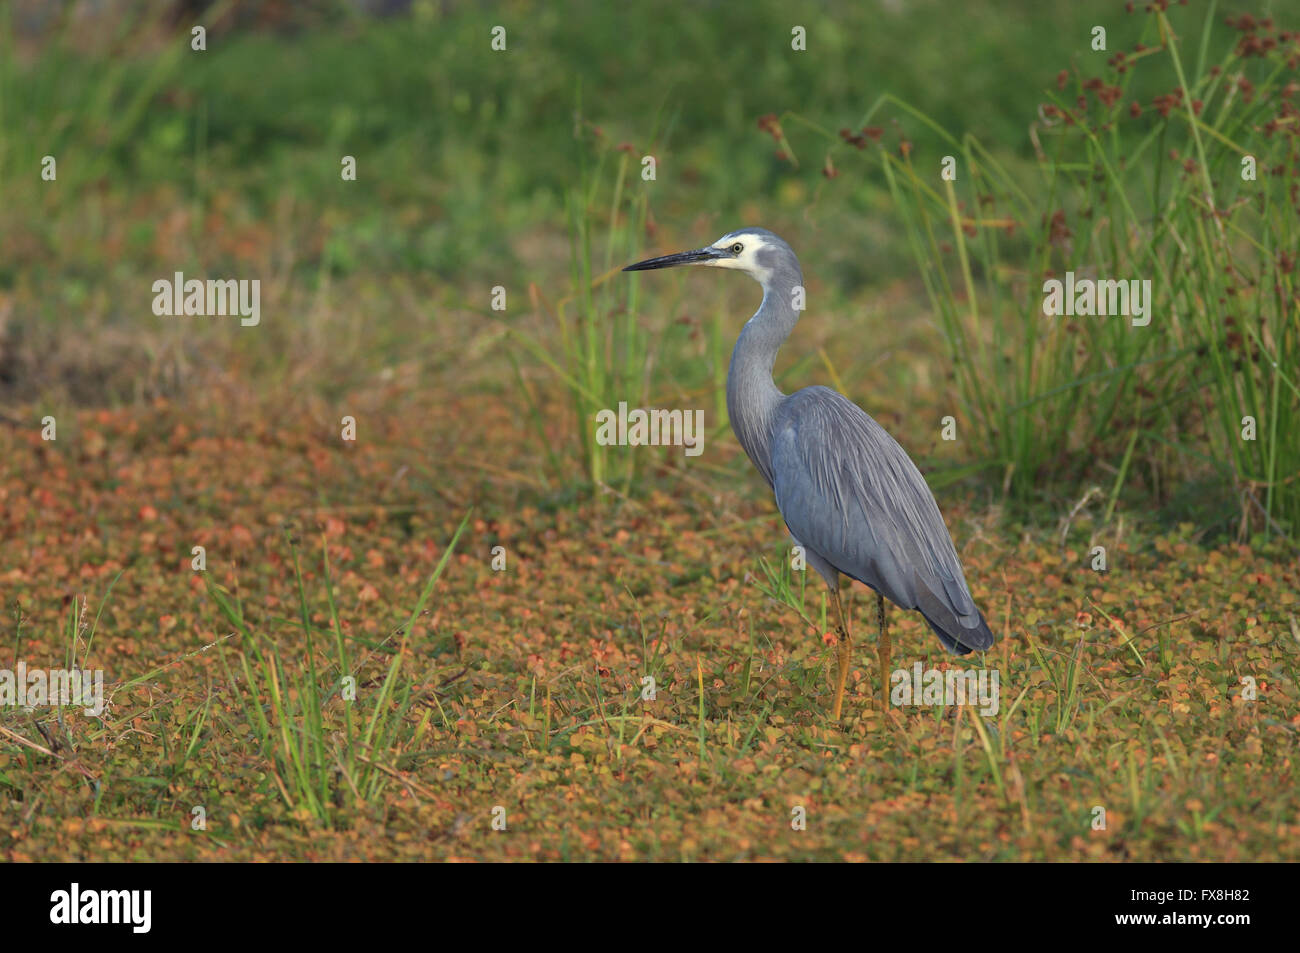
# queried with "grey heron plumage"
point(849, 494)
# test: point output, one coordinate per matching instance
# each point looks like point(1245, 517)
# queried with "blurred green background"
point(471, 162)
point(463, 148)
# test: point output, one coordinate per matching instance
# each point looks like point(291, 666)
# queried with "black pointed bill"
point(681, 258)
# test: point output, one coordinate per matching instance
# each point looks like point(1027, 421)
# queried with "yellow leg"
point(844, 653)
point(882, 650)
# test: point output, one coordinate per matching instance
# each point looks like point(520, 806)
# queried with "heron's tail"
point(961, 639)
point(961, 630)
point(953, 615)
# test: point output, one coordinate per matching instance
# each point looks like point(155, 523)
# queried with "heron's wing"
point(851, 494)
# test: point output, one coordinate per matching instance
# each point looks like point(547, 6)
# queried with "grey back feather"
point(850, 493)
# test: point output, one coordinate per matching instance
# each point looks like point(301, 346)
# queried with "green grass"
point(593, 342)
point(1124, 197)
point(464, 146)
point(324, 756)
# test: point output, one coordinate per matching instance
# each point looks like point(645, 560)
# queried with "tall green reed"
point(1122, 189)
point(598, 350)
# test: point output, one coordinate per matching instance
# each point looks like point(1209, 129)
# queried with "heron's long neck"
point(752, 395)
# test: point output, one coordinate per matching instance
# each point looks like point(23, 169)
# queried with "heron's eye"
point(737, 248)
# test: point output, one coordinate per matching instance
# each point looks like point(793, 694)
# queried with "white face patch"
point(747, 260)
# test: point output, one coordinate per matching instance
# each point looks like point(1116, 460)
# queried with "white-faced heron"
point(850, 495)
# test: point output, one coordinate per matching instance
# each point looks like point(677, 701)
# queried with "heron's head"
point(755, 251)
